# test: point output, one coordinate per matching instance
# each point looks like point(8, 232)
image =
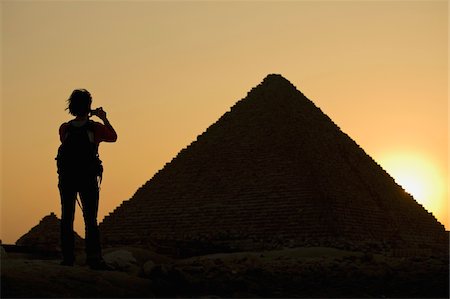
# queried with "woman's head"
point(79, 103)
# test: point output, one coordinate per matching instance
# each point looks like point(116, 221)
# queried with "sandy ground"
point(299, 272)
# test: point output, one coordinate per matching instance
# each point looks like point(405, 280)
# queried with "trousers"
point(88, 190)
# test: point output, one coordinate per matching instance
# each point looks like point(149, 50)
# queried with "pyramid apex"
point(277, 83)
point(274, 88)
point(275, 78)
point(52, 215)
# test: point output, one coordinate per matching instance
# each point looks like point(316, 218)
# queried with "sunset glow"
point(420, 176)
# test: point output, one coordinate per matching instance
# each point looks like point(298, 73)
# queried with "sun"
point(418, 175)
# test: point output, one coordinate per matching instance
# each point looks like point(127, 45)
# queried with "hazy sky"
point(165, 71)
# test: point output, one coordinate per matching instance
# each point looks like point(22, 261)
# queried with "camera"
point(94, 112)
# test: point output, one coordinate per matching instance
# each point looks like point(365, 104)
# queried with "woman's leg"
point(89, 195)
point(68, 196)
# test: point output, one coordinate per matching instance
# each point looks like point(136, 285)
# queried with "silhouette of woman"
point(79, 169)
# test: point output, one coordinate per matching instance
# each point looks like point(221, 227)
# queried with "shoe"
point(100, 266)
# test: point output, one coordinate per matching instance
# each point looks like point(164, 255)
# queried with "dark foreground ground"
point(298, 272)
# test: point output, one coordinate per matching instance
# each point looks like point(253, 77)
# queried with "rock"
point(122, 260)
point(158, 271)
point(148, 268)
point(141, 255)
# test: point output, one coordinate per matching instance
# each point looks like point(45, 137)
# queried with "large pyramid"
point(273, 171)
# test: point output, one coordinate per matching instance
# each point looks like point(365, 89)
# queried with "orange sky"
point(165, 71)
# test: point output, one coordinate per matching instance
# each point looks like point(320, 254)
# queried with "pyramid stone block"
point(273, 171)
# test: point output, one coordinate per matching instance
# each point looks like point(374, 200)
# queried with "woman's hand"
point(100, 113)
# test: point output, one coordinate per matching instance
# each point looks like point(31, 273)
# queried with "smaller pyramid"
point(46, 235)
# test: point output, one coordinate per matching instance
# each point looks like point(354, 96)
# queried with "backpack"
point(77, 155)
